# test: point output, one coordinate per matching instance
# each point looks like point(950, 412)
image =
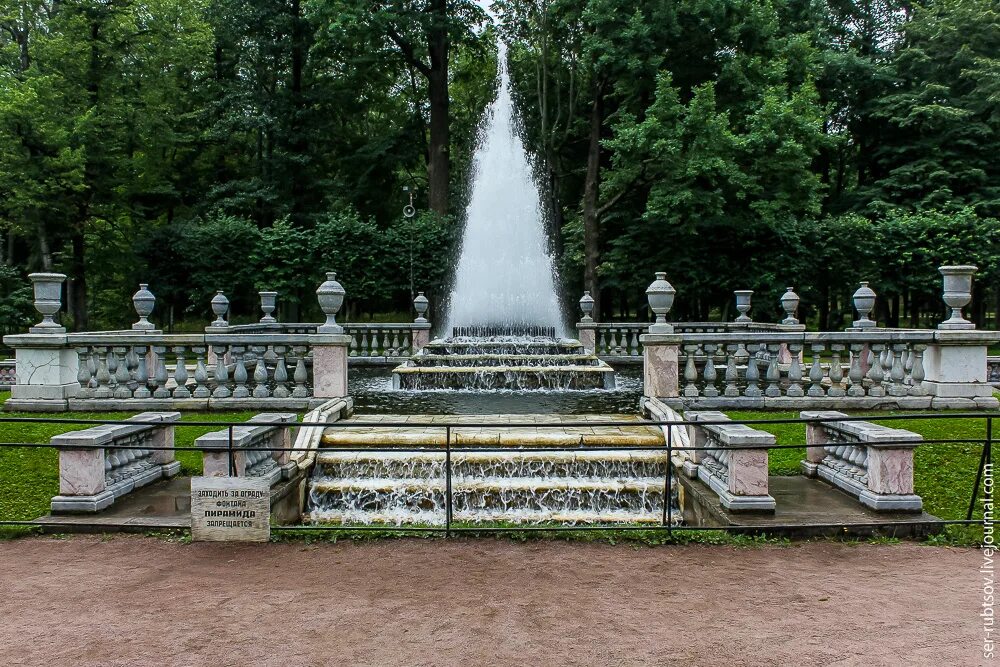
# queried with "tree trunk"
point(78, 282)
point(299, 145)
point(591, 190)
point(438, 158)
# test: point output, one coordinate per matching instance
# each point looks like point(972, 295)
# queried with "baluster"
point(816, 371)
point(365, 349)
point(633, 346)
point(221, 373)
point(103, 375)
point(395, 344)
point(773, 371)
point(709, 373)
point(201, 389)
point(600, 348)
point(897, 372)
point(732, 372)
point(690, 372)
point(753, 372)
point(260, 389)
point(141, 373)
point(301, 374)
point(131, 364)
point(83, 372)
point(836, 389)
point(406, 342)
point(875, 373)
point(280, 373)
point(113, 372)
point(855, 374)
point(917, 374)
point(907, 364)
point(240, 374)
point(795, 372)
point(122, 390)
point(160, 374)
point(181, 374)
point(352, 349)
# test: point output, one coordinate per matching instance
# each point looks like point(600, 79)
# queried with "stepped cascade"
point(516, 481)
point(503, 362)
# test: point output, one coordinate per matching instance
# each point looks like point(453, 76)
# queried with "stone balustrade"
point(731, 459)
point(8, 374)
point(870, 461)
point(258, 449)
point(100, 464)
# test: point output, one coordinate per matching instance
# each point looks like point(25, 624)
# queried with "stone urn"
point(864, 302)
point(790, 302)
point(421, 304)
point(660, 295)
point(268, 302)
point(587, 306)
point(957, 294)
point(331, 297)
point(743, 305)
point(220, 306)
point(48, 300)
point(143, 301)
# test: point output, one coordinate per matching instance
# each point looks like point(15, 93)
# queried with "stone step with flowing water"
point(358, 479)
point(511, 363)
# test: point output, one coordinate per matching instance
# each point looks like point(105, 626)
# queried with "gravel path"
point(141, 601)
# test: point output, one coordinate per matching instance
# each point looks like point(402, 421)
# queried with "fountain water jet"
point(505, 278)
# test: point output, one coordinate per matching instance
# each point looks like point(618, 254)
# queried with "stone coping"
point(603, 368)
point(490, 430)
point(245, 434)
point(731, 435)
point(866, 433)
point(105, 434)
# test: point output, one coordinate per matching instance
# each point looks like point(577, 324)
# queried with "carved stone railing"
point(732, 459)
point(993, 371)
point(621, 341)
point(371, 344)
point(872, 462)
point(135, 370)
point(258, 450)
point(100, 464)
point(8, 374)
point(760, 369)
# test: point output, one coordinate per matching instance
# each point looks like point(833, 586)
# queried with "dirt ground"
point(143, 601)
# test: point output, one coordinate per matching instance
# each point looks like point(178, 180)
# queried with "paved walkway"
point(142, 601)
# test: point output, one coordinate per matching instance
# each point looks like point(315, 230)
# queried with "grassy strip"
point(30, 477)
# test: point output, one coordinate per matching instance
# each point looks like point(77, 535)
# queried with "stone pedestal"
point(421, 332)
point(586, 333)
point(329, 365)
point(46, 369)
point(659, 362)
point(955, 369)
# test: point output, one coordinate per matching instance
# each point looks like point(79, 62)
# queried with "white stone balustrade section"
point(735, 464)
point(870, 461)
point(371, 344)
point(100, 464)
point(620, 342)
point(258, 449)
point(873, 368)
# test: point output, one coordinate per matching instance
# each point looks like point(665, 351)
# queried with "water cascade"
point(516, 486)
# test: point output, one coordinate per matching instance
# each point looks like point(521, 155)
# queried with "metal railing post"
point(668, 509)
point(982, 464)
point(232, 458)
point(447, 483)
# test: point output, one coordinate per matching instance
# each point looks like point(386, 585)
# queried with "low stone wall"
point(732, 459)
point(99, 465)
point(869, 461)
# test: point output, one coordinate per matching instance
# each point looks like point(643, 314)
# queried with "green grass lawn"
point(30, 477)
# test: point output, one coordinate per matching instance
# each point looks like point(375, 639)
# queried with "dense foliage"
point(738, 144)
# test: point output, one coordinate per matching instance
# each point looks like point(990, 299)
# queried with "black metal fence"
point(450, 528)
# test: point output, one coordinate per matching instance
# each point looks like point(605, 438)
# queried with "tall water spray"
point(505, 276)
